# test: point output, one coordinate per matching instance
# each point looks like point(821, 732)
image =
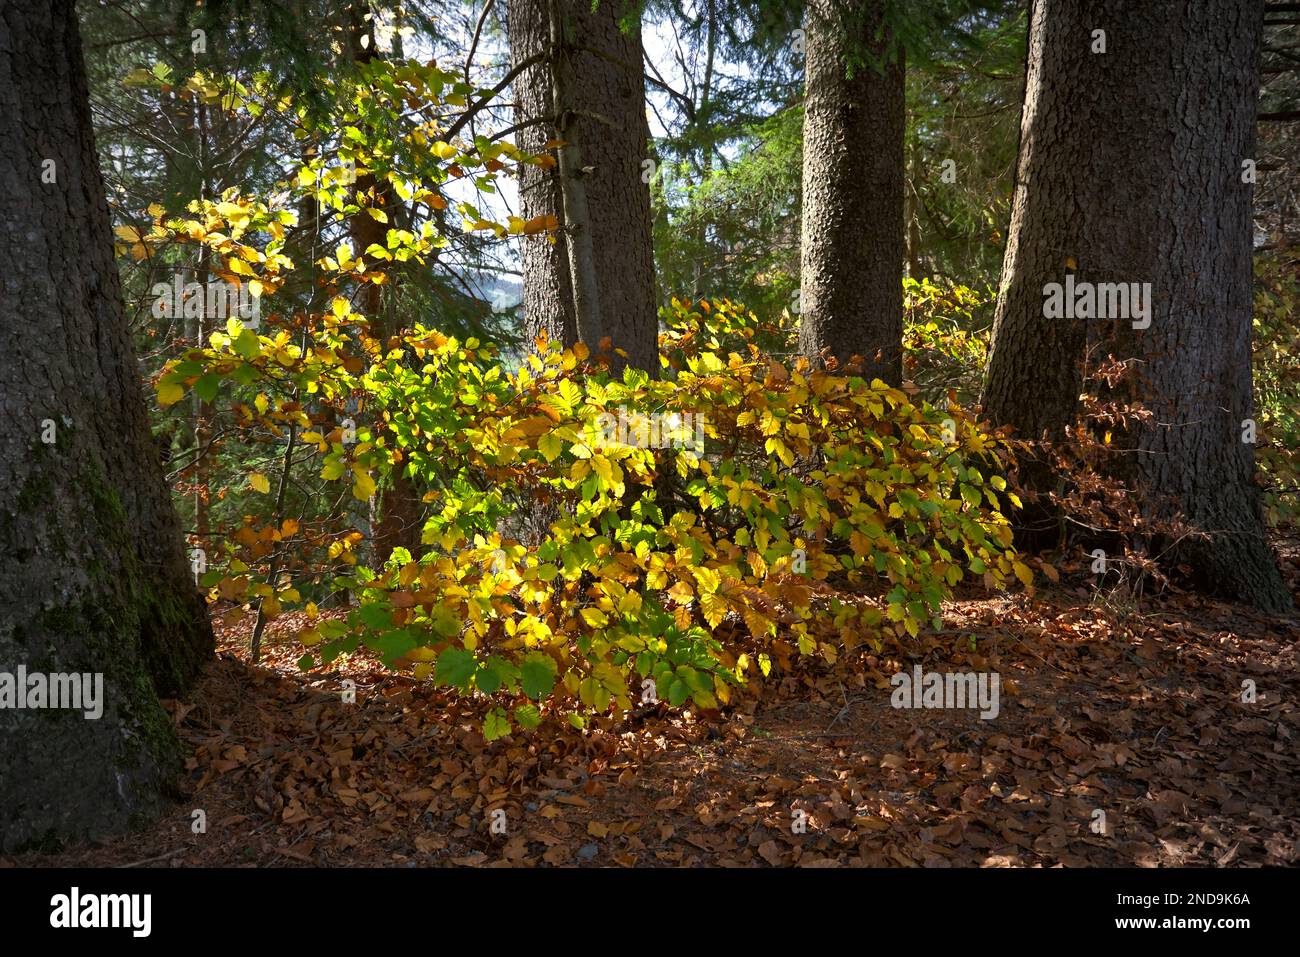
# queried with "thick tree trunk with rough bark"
point(94, 578)
point(573, 185)
point(548, 296)
point(1130, 171)
point(607, 121)
point(852, 248)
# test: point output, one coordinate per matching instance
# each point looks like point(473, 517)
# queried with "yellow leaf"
point(604, 468)
point(550, 445)
point(364, 487)
point(1023, 572)
point(540, 224)
point(681, 593)
point(759, 626)
point(707, 579)
point(714, 607)
point(259, 482)
point(170, 391)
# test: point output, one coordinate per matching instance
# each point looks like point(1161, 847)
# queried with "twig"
point(157, 857)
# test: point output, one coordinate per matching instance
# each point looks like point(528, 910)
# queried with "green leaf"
point(206, 387)
point(496, 725)
point(376, 617)
point(528, 716)
point(538, 676)
point(444, 622)
point(247, 345)
point(704, 699)
point(678, 692)
point(392, 645)
point(455, 667)
point(487, 679)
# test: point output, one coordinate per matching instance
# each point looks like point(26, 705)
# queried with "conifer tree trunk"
point(606, 119)
point(1130, 171)
point(852, 248)
point(95, 578)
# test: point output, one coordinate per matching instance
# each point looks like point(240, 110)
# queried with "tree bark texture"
point(95, 578)
point(852, 246)
point(607, 120)
point(1130, 171)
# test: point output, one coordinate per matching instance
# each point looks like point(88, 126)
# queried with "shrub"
point(945, 337)
point(1277, 388)
point(824, 512)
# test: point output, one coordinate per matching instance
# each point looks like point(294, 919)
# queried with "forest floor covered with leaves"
point(1133, 711)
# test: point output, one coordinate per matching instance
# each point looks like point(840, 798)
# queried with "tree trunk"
point(913, 216)
point(548, 297)
point(607, 120)
point(1130, 172)
point(852, 247)
point(396, 518)
point(95, 577)
point(573, 186)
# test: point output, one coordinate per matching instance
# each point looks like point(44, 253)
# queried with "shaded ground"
point(1138, 714)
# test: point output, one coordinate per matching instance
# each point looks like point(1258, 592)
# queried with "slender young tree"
point(601, 272)
point(852, 248)
point(95, 579)
point(1138, 125)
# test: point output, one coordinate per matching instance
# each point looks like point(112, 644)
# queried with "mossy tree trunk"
point(95, 578)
